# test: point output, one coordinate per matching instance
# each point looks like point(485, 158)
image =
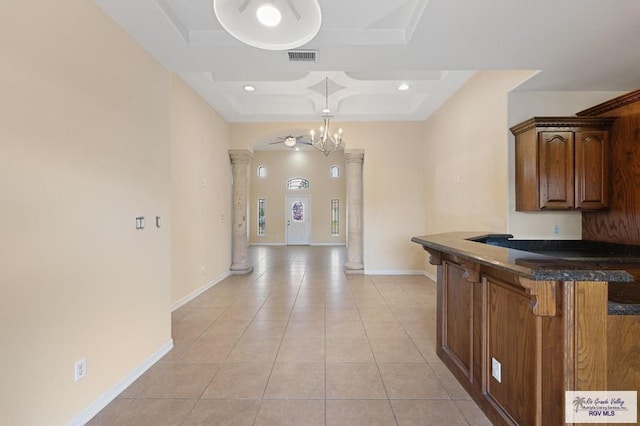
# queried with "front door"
point(298, 219)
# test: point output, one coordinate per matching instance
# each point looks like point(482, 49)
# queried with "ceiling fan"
point(291, 141)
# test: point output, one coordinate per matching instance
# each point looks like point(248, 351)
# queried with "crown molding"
point(560, 123)
point(612, 104)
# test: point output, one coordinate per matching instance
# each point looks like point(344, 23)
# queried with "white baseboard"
point(430, 276)
point(88, 413)
point(188, 298)
point(393, 272)
point(284, 244)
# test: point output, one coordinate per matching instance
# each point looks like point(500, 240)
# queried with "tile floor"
point(297, 342)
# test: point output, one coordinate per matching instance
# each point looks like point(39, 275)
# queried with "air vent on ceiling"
point(303, 55)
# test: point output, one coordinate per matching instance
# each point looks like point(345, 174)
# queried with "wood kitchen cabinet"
point(518, 329)
point(562, 163)
point(486, 317)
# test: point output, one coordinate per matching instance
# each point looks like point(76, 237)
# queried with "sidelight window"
point(262, 220)
point(335, 217)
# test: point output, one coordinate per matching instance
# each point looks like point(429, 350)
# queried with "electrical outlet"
point(496, 370)
point(204, 182)
point(80, 369)
point(556, 229)
point(203, 270)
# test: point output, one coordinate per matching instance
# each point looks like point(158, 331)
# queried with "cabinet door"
point(555, 150)
point(591, 170)
point(512, 352)
point(457, 318)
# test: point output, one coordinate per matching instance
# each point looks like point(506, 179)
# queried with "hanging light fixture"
point(326, 142)
point(290, 141)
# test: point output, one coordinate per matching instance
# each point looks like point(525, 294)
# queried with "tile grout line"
point(275, 359)
point(384, 385)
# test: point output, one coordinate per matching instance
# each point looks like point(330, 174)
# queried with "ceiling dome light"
point(254, 22)
point(248, 88)
point(403, 87)
point(268, 15)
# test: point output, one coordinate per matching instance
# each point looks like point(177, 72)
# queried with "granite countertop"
point(614, 308)
point(563, 260)
point(551, 260)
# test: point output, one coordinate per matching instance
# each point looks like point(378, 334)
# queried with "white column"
point(240, 159)
point(354, 159)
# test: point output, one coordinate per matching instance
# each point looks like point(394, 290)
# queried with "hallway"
point(298, 342)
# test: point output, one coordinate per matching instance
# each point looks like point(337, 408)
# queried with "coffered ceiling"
point(367, 48)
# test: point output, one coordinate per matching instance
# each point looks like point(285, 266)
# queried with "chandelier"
point(326, 142)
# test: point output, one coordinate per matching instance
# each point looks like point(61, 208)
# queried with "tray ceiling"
point(368, 48)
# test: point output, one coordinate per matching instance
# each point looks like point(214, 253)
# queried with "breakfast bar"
point(519, 322)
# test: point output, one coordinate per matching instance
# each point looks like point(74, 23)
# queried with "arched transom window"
point(297, 183)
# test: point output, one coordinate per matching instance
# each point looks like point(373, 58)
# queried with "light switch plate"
point(496, 370)
point(140, 222)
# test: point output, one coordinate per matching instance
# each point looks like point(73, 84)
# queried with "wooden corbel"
point(435, 257)
point(544, 301)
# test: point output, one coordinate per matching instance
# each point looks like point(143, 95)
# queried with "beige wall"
point(393, 182)
point(466, 157)
point(200, 194)
point(84, 146)
point(282, 166)
point(394, 196)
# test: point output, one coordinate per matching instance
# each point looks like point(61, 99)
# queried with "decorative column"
point(354, 159)
point(240, 159)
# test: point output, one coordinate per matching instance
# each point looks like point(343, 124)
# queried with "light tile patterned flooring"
point(298, 342)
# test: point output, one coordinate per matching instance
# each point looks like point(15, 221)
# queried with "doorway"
point(298, 219)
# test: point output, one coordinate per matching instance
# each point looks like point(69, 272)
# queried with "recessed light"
point(403, 87)
point(248, 88)
point(268, 15)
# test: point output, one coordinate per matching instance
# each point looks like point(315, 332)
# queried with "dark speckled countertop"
point(541, 260)
point(545, 260)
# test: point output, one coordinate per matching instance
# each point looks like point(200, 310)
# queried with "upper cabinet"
point(562, 163)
